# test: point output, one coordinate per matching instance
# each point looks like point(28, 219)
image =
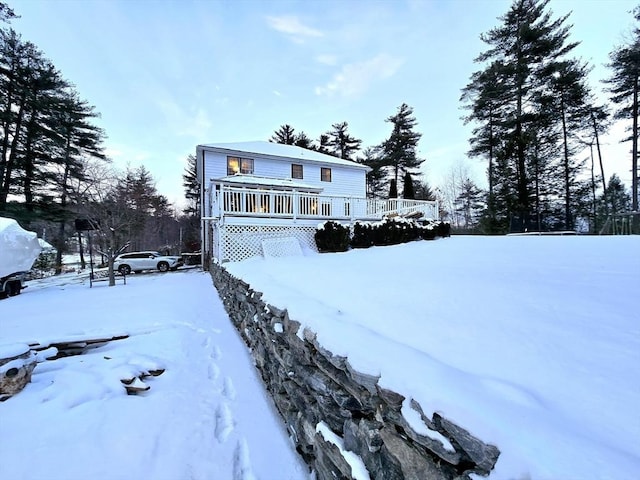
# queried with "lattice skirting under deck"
point(234, 243)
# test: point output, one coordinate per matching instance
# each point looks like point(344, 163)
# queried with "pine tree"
point(302, 140)
point(77, 138)
point(6, 14)
point(323, 144)
point(509, 99)
point(341, 143)
point(191, 187)
point(469, 203)
point(623, 86)
point(285, 134)
point(375, 178)
point(569, 96)
point(423, 191)
point(407, 187)
point(191, 221)
point(393, 189)
point(617, 196)
point(400, 149)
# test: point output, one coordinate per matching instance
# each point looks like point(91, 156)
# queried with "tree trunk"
point(83, 264)
point(568, 220)
point(10, 162)
point(634, 148)
point(604, 184)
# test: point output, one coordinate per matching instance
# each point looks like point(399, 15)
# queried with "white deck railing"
point(248, 202)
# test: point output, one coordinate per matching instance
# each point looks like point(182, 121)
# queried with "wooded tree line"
point(53, 169)
point(534, 115)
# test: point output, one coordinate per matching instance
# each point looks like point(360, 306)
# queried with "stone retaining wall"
point(310, 385)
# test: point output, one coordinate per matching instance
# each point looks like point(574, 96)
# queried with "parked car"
point(139, 261)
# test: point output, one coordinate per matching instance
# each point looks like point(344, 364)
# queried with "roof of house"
point(283, 151)
point(256, 181)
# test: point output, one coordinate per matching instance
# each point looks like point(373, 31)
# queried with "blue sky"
point(168, 75)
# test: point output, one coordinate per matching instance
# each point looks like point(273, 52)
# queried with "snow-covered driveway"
point(205, 417)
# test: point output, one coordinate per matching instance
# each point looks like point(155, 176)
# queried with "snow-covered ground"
point(531, 343)
point(205, 417)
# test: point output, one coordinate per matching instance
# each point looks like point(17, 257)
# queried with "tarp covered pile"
point(19, 248)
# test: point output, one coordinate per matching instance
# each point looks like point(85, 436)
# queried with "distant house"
point(262, 198)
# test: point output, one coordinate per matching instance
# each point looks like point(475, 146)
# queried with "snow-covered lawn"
point(206, 417)
point(531, 343)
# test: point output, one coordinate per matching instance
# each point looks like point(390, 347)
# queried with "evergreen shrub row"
point(332, 236)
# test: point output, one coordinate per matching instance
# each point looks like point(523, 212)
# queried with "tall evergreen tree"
point(323, 144)
point(400, 149)
point(393, 188)
point(485, 98)
point(376, 177)
point(302, 140)
point(407, 187)
point(285, 134)
point(423, 191)
point(469, 203)
point(617, 195)
point(623, 86)
point(511, 93)
point(341, 143)
point(191, 187)
point(77, 138)
point(191, 222)
point(570, 96)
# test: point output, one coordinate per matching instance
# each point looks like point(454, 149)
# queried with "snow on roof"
point(284, 151)
point(253, 180)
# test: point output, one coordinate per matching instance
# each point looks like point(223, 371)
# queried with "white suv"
point(138, 261)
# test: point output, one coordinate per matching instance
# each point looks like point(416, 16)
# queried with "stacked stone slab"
point(310, 385)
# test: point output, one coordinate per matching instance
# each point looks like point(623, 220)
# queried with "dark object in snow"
point(136, 385)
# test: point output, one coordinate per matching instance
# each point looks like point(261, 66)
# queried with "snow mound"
point(19, 248)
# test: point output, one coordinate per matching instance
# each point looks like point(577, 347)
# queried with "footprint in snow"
point(242, 463)
point(224, 422)
point(213, 371)
point(229, 390)
point(216, 353)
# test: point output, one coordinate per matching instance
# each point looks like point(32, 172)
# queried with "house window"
point(239, 165)
point(325, 174)
point(296, 171)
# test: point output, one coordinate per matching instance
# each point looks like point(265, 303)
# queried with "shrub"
point(392, 231)
point(362, 236)
point(332, 237)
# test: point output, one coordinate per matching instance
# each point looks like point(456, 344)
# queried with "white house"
point(263, 198)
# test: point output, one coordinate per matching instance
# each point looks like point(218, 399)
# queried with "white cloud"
point(293, 27)
point(355, 78)
point(327, 59)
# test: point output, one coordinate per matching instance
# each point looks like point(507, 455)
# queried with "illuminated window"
point(325, 174)
point(296, 171)
point(239, 165)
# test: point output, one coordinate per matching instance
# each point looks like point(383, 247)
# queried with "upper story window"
point(296, 171)
point(325, 174)
point(239, 165)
